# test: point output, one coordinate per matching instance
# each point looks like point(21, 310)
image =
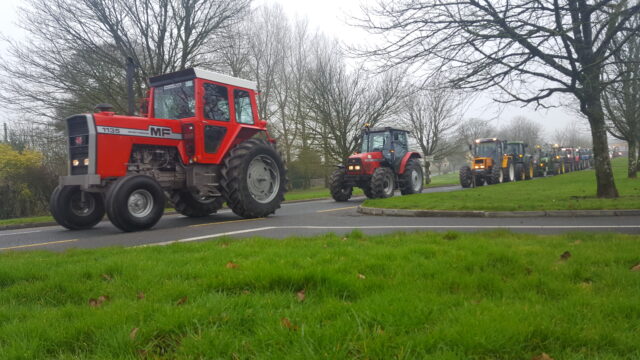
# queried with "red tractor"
point(200, 144)
point(383, 165)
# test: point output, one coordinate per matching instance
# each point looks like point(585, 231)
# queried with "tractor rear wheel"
point(466, 177)
point(529, 173)
point(367, 190)
point(497, 175)
point(412, 181)
point(520, 173)
point(510, 173)
point(189, 204)
point(253, 179)
point(339, 190)
point(135, 203)
point(76, 209)
point(383, 183)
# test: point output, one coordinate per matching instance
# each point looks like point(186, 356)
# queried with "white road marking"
point(397, 227)
point(20, 233)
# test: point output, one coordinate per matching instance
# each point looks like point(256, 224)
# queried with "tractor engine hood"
point(367, 157)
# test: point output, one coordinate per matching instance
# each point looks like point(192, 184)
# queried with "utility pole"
point(6, 133)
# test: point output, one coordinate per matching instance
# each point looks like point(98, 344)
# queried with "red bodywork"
point(373, 160)
point(114, 149)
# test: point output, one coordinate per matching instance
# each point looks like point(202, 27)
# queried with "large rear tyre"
point(412, 180)
point(189, 204)
point(382, 183)
point(76, 209)
point(466, 177)
point(510, 173)
point(254, 179)
point(367, 191)
point(135, 203)
point(520, 173)
point(529, 173)
point(497, 175)
point(339, 190)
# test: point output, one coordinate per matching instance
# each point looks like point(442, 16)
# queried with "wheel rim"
point(140, 203)
point(512, 173)
point(82, 208)
point(416, 179)
point(263, 179)
point(500, 176)
point(388, 184)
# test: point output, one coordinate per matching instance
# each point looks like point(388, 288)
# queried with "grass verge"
point(444, 180)
point(495, 295)
point(571, 191)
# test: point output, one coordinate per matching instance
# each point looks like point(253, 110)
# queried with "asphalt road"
point(296, 219)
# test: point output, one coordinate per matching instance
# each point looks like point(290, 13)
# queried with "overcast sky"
point(330, 16)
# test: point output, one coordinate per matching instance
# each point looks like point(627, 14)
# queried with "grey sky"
point(330, 17)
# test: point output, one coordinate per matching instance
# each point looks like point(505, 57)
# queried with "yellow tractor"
point(491, 164)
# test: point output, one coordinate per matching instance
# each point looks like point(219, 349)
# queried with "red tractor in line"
point(383, 165)
point(200, 144)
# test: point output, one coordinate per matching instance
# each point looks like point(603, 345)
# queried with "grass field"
point(446, 179)
point(571, 191)
point(494, 295)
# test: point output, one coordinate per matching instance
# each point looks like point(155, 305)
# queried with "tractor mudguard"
point(405, 160)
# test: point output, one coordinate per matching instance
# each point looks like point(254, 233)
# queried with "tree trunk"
point(427, 172)
point(604, 174)
point(633, 159)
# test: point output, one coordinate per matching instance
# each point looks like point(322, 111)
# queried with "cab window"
point(216, 102)
point(174, 101)
point(244, 111)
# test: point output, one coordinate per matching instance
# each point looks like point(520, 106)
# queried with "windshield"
point(487, 149)
point(513, 149)
point(174, 101)
point(374, 141)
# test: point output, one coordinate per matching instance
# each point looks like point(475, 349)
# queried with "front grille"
point(354, 161)
point(78, 130)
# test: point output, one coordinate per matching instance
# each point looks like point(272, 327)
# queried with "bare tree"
point(78, 58)
point(622, 99)
point(430, 115)
point(572, 135)
point(474, 128)
point(530, 50)
point(521, 128)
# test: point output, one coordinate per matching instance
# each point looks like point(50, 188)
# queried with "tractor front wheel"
point(520, 173)
point(339, 190)
point(466, 177)
point(192, 205)
point(383, 183)
point(135, 203)
point(412, 180)
point(254, 179)
point(76, 209)
point(497, 175)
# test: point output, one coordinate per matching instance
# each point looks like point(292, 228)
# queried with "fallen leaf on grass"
point(300, 295)
point(287, 323)
point(106, 277)
point(565, 255)
point(99, 301)
point(232, 265)
point(140, 295)
point(133, 333)
point(577, 242)
point(636, 267)
point(182, 301)
point(543, 356)
point(360, 276)
point(246, 292)
point(224, 245)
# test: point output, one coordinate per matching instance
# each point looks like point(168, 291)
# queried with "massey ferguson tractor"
point(522, 159)
point(200, 144)
point(383, 165)
point(491, 164)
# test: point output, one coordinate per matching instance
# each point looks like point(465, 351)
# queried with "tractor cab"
point(517, 149)
point(391, 143)
point(491, 164)
point(484, 149)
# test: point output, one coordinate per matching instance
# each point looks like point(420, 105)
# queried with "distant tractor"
point(523, 161)
point(199, 144)
point(568, 155)
point(383, 165)
point(586, 158)
point(547, 161)
point(491, 164)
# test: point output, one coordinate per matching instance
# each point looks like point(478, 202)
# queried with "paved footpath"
point(301, 219)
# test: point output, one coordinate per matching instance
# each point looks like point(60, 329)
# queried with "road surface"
point(296, 219)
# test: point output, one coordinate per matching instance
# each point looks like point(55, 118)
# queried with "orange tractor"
point(491, 164)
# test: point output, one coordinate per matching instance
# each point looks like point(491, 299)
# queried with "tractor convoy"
point(493, 162)
point(200, 144)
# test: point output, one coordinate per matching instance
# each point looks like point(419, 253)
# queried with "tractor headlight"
point(350, 167)
point(357, 167)
point(75, 162)
point(86, 162)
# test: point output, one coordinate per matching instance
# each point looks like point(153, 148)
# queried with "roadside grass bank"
point(571, 191)
point(493, 295)
point(444, 180)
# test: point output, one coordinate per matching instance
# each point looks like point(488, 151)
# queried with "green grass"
point(442, 180)
point(571, 191)
point(496, 295)
point(314, 193)
point(25, 220)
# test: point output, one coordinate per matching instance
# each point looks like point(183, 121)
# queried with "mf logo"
point(159, 131)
